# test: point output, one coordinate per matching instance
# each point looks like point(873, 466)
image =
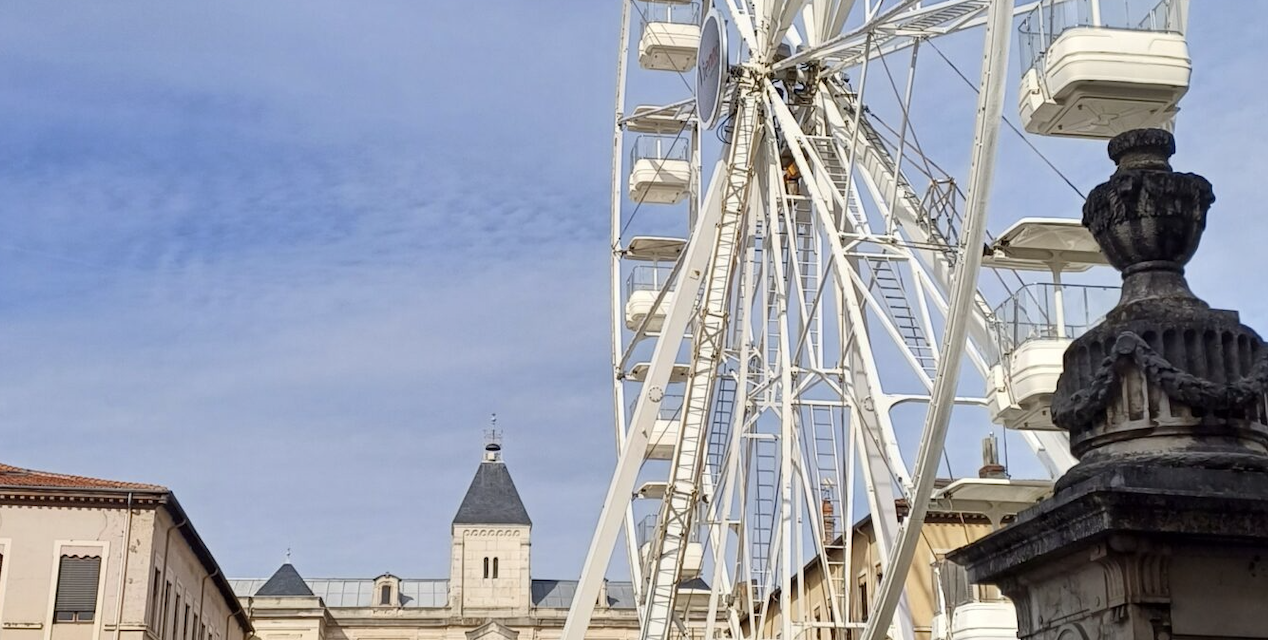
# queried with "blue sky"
point(287, 257)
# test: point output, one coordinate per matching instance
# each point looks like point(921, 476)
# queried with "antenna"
point(493, 441)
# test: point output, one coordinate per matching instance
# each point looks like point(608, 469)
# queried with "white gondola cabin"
point(645, 306)
point(1097, 68)
point(671, 36)
point(660, 172)
point(1037, 323)
point(693, 554)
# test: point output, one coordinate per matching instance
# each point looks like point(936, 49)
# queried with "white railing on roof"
point(1043, 25)
point(651, 277)
point(659, 148)
point(1031, 312)
point(685, 13)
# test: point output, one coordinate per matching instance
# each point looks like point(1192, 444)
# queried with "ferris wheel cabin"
point(660, 170)
point(671, 35)
point(1036, 324)
point(1097, 68)
point(645, 282)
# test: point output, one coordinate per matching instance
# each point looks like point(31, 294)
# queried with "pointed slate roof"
point(492, 498)
point(286, 581)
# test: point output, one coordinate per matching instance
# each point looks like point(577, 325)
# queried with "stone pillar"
point(1160, 532)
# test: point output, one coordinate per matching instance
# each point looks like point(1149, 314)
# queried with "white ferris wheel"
point(788, 341)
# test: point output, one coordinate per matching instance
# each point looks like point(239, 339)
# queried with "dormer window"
point(387, 590)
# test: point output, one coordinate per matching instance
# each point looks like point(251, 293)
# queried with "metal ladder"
point(888, 281)
point(720, 429)
point(808, 264)
point(765, 498)
point(885, 279)
point(826, 440)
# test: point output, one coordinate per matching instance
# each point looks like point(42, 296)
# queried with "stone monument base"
point(1136, 552)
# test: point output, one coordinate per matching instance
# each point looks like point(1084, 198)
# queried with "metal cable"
point(1023, 137)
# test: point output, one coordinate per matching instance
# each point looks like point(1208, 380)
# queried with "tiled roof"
point(492, 498)
point(11, 476)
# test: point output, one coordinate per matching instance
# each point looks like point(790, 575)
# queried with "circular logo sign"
point(712, 68)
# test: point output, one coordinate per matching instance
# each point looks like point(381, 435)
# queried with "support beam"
point(963, 297)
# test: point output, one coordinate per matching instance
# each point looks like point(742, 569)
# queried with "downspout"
point(167, 545)
point(123, 574)
point(242, 633)
point(202, 592)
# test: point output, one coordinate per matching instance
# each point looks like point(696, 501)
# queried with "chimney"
point(829, 512)
point(991, 468)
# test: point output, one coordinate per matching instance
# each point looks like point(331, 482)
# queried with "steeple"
point(492, 497)
point(286, 581)
point(491, 548)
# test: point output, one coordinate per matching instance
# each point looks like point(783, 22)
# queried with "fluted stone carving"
point(1165, 379)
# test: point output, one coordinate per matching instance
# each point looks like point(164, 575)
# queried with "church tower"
point(489, 568)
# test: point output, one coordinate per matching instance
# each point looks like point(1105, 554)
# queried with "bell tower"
point(489, 565)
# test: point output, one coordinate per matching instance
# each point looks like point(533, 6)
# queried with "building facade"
point(490, 593)
point(91, 559)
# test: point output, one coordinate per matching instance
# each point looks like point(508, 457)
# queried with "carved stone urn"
point(1165, 379)
point(1160, 532)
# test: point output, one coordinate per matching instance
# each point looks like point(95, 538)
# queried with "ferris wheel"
point(788, 342)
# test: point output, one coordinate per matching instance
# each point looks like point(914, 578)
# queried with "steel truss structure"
point(828, 276)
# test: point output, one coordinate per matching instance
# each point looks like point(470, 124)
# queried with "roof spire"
point(493, 441)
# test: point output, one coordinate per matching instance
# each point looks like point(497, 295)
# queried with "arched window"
point(486, 566)
point(385, 596)
point(495, 567)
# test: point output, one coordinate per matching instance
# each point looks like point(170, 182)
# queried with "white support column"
point(682, 496)
point(646, 411)
point(963, 294)
point(873, 424)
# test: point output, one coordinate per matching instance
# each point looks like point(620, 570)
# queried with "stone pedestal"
point(1161, 531)
point(1139, 553)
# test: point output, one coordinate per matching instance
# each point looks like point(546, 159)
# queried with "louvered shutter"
point(77, 585)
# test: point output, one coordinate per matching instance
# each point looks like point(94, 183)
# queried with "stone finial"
point(1164, 379)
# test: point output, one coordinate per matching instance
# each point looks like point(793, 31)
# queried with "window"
point(155, 590)
point(193, 628)
point(185, 624)
point(167, 600)
point(176, 619)
point(202, 632)
point(385, 595)
point(495, 567)
point(486, 566)
point(863, 597)
point(77, 580)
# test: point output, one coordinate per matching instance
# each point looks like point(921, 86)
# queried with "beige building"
point(963, 511)
point(91, 559)
point(489, 594)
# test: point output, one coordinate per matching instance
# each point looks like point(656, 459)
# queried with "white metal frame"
point(783, 303)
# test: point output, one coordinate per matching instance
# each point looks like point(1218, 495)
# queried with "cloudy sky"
point(286, 257)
